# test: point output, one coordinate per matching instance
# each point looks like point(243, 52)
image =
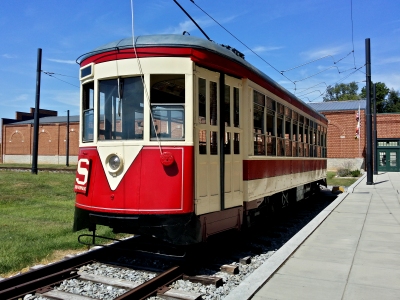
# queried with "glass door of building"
point(388, 160)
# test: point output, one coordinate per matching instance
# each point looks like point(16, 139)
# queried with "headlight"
point(114, 163)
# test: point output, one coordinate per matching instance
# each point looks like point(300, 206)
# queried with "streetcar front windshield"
point(167, 107)
point(120, 109)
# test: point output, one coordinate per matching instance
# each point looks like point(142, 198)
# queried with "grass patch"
point(338, 181)
point(36, 219)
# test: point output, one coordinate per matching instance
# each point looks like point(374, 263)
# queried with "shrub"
point(343, 172)
point(355, 173)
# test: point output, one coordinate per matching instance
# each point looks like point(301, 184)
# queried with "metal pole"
point(67, 141)
point(375, 135)
point(370, 179)
point(36, 116)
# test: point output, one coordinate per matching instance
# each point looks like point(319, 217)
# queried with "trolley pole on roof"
point(375, 136)
point(36, 116)
point(370, 180)
point(67, 142)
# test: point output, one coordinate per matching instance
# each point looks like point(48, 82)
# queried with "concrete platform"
point(351, 250)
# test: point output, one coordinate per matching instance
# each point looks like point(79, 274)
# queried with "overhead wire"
point(242, 42)
point(305, 89)
point(307, 63)
point(352, 30)
point(51, 74)
point(61, 74)
point(339, 81)
point(282, 72)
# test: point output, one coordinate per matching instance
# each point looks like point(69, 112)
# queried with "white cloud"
point(6, 55)
point(260, 49)
point(392, 80)
point(183, 26)
point(325, 52)
point(62, 61)
point(16, 101)
point(389, 60)
point(188, 25)
point(63, 96)
point(22, 97)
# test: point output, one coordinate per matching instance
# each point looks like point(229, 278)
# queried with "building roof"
point(49, 120)
point(339, 105)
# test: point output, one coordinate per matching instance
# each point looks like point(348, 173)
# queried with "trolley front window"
point(121, 109)
point(167, 107)
point(87, 112)
point(168, 121)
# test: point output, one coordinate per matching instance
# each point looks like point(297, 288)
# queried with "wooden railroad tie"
point(172, 294)
point(205, 280)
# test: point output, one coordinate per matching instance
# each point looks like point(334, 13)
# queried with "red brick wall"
point(388, 125)
point(342, 130)
point(341, 135)
point(17, 139)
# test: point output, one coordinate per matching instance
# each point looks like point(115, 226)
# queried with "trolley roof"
point(185, 41)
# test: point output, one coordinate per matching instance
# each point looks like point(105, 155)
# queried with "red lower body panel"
point(147, 187)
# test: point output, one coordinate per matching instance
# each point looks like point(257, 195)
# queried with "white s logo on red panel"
point(82, 175)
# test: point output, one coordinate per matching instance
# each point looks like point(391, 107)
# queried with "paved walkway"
point(351, 252)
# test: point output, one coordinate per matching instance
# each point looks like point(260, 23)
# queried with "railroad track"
point(51, 281)
point(211, 270)
point(105, 273)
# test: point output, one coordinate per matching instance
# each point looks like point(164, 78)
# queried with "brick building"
point(17, 140)
point(343, 146)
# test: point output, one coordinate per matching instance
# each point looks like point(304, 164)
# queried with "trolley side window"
point(87, 112)
point(288, 133)
point(167, 98)
point(271, 139)
point(280, 132)
point(259, 123)
point(121, 109)
point(236, 107)
point(202, 118)
point(227, 120)
point(301, 136)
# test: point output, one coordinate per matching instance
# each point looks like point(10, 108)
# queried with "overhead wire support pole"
point(35, 146)
point(375, 135)
point(67, 142)
point(202, 31)
point(370, 180)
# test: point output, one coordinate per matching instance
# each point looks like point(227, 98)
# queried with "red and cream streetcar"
point(181, 138)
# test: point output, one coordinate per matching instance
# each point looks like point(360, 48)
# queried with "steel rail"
point(13, 287)
point(30, 287)
point(149, 288)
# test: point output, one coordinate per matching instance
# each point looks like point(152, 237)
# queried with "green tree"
point(393, 102)
point(382, 92)
point(342, 92)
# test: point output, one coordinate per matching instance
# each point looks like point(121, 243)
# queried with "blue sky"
point(286, 34)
